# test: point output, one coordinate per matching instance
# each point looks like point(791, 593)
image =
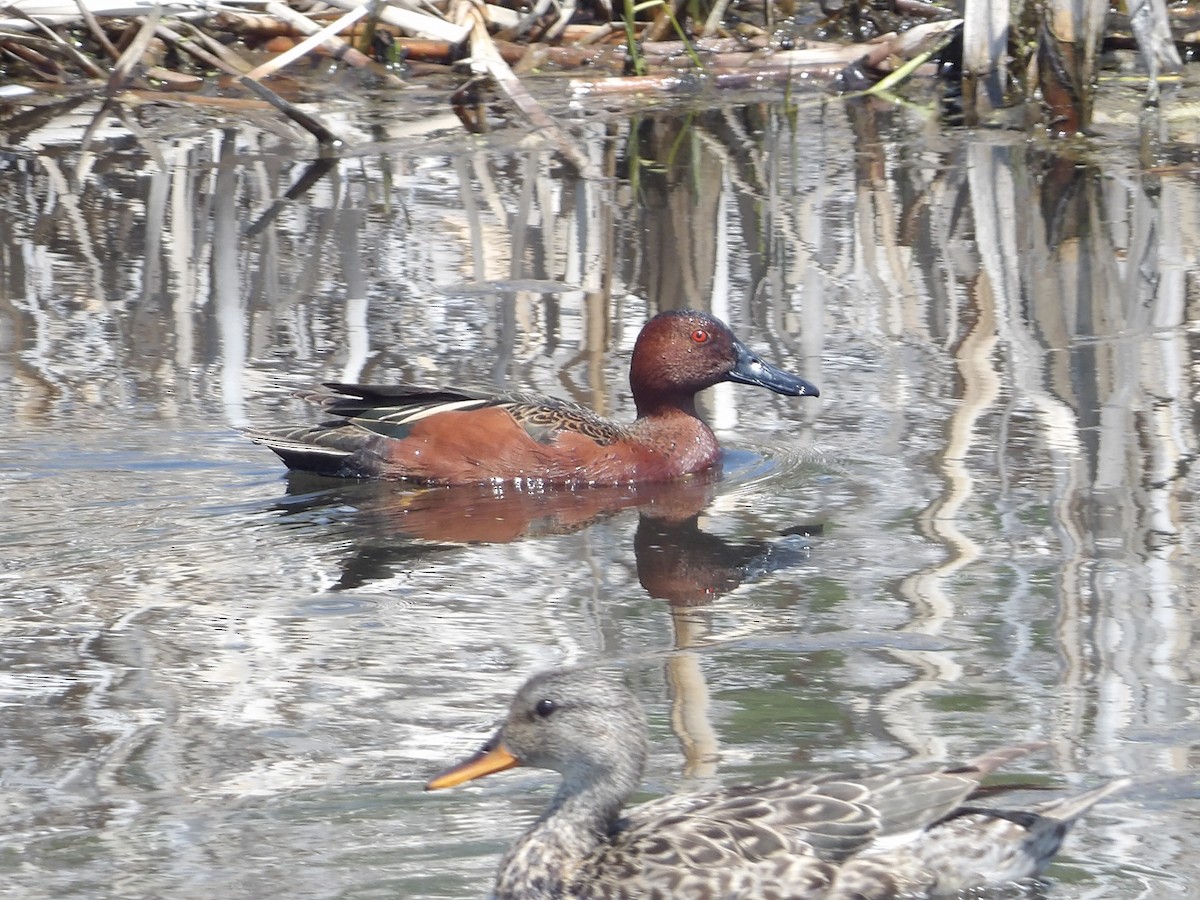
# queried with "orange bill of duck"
point(492, 758)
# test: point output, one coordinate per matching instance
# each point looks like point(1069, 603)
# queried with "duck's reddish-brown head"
point(683, 351)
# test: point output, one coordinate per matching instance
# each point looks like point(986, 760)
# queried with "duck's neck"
point(655, 405)
point(543, 862)
point(674, 439)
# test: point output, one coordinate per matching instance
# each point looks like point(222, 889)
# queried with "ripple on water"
point(762, 469)
point(341, 604)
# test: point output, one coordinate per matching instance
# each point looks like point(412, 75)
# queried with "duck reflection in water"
point(676, 560)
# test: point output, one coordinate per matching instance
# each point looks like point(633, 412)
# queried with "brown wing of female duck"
point(791, 837)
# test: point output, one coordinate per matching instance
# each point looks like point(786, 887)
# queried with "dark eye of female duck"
point(700, 336)
point(545, 707)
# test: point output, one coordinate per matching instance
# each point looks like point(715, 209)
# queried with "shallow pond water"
point(216, 678)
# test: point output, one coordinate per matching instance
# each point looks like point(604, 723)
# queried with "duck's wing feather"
point(393, 410)
point(792, 832)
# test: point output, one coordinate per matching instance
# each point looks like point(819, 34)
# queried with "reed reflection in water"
point(216, 679)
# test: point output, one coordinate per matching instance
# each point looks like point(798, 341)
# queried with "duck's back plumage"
point(373, 420)
point(391, 410)
point(825, 836)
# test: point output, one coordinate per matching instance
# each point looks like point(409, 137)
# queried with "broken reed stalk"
point(486, 59)
point(308, 122)
point(735, 70)
point(420, 24)
point(97, 32)
point(122, 75)
point(693, 82)
point(81, 59)
point(566, 12)
point(917, 43)
point(937, 35)
point(215, 47)
point(597, 34)
point(922, 9)
point(526, 22)
point(713, 23)
point(314, 126)
point(338, 48)
point(42, 64)
point(123, 70)
point(311, 42)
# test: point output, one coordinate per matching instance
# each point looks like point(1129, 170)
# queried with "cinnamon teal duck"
point(454, 435)
point(911, 832)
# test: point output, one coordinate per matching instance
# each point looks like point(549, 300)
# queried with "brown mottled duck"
point(907, 832)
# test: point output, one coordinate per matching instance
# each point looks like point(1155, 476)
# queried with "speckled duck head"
point(588, 728)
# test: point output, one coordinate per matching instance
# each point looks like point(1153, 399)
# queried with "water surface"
point(216, 678)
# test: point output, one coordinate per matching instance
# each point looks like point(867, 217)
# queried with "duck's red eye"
point(700, 336)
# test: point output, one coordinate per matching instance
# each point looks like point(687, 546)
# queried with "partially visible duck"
point(465, 436)
point(910, 832)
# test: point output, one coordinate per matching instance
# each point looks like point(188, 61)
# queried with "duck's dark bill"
point(488, 760)
point(749, 369)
